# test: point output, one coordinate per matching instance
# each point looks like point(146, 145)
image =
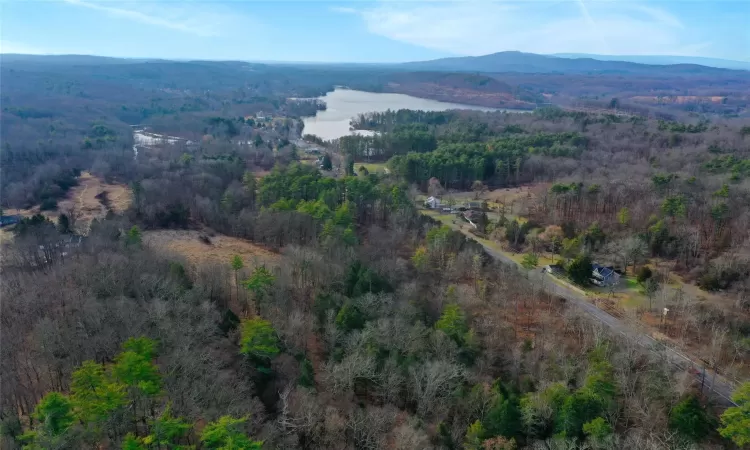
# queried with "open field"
point(371, 167)
point(85, 200)
point(191, 246)
point(500, 195)
point(187, 243)
point(513, 201)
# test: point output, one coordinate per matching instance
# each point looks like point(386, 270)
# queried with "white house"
point(432, 202)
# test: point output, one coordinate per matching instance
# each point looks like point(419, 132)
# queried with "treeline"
point(403, 139)
point(388, 120)
point(303, 107)
point(498, 162)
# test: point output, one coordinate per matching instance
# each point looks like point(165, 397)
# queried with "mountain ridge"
point(514, 61)
point(719, 63)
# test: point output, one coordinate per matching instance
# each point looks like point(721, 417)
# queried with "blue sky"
point(373, 31)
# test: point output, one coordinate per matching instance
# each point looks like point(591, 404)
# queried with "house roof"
point(602, 270)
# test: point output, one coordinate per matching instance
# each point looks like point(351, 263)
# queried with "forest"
point(678, 187)
point(346, 343)
point(375, 326)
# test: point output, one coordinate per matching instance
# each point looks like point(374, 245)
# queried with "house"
point(9, 220)
point(432, 202)
point(553, 269)
point(476, 206)
point(604, 276)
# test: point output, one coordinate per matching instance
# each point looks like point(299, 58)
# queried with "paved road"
point(714, 385)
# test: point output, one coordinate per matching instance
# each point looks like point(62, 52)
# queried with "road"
point(714, 385)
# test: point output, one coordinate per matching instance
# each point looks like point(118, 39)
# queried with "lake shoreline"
point(343, 104)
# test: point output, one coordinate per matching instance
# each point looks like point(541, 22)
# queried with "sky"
point(373, 31)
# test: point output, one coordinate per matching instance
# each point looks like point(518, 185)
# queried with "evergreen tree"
point(736, 420)
point(579, 270)
point(54, 417)
point(453, 323)
point(326, 163)
point(258, 340)
point(474, 436)
point(226, 434)
point(237, 264)
point(96, 395)
point(529, 261)
point(134, 236)
point(63, 224)
point(689, 419)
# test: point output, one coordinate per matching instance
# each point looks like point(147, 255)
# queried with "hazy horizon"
point(647, 59)
point(376, 31)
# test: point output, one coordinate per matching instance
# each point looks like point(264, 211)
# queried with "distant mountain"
point(83, 60)
point(663, 60)
point(533, 63)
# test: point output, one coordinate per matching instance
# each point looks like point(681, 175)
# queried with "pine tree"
point(226, 434)
point(736, 420)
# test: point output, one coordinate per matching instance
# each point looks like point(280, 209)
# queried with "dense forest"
point(685, 179)
point(57, 110)
point(644, 196)
point(376, 330)
point(374, 326)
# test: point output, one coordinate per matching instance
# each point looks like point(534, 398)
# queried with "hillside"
point(663, 60)
point(533, 63)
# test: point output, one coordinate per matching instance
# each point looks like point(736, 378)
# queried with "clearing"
point(89, 200)
point(380, 168)
point(188, 244)
point(93, 197)
point(205, 248)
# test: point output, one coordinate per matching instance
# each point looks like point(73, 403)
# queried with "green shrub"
point(644, 273)
point(690, 420)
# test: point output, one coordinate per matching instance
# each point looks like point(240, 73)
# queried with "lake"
point(343, 104)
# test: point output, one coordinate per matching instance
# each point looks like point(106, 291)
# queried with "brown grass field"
point(186, 243)
point(83, 200)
